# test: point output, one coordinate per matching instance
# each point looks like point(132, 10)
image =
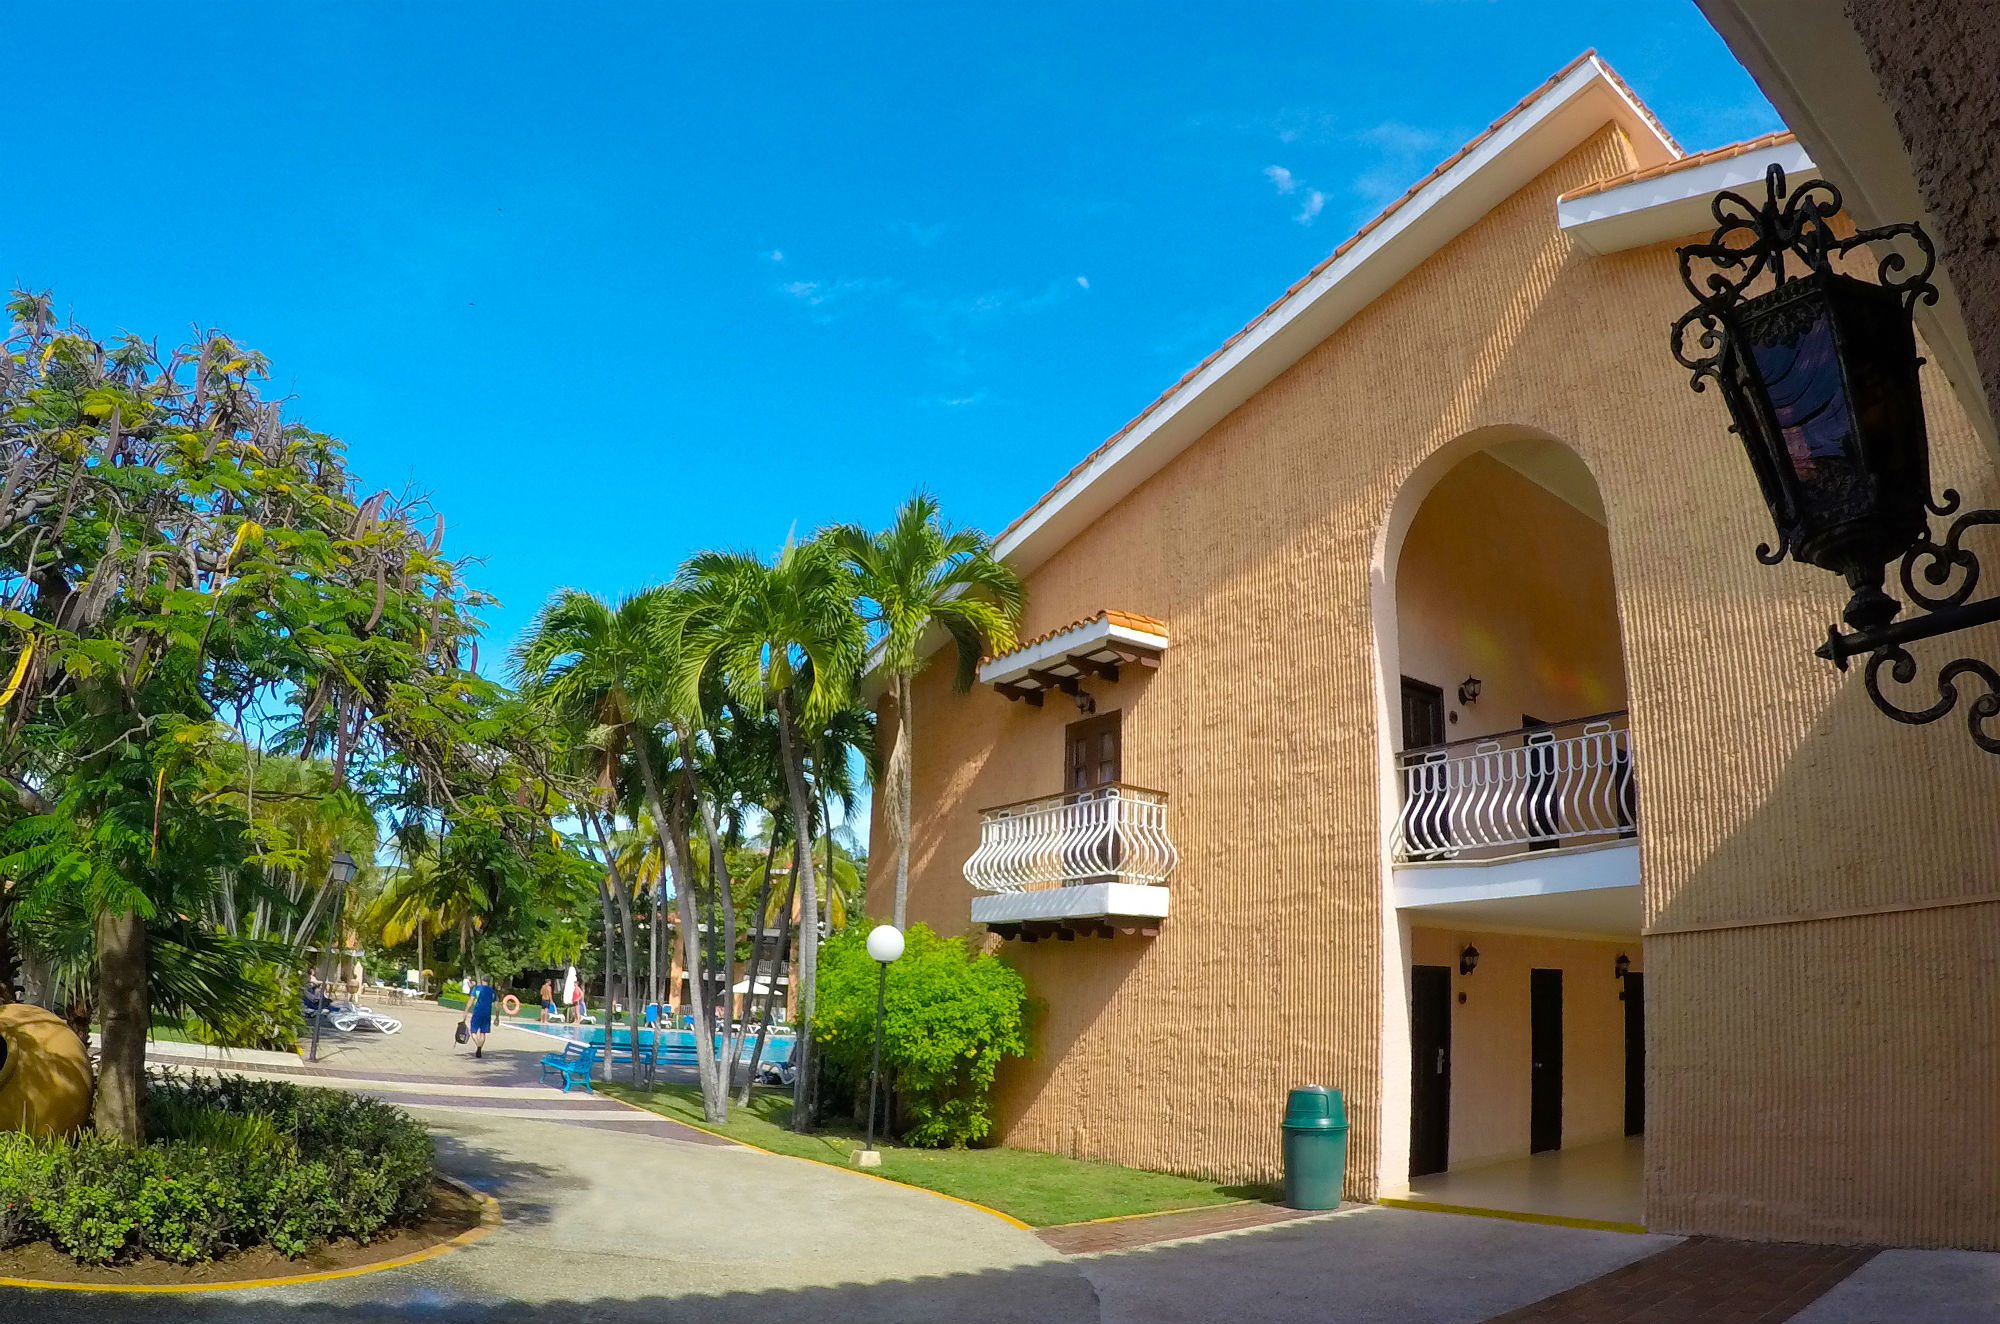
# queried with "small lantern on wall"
point(1819, 372)
point(1468, 691)
point(1621, 967)
point(1468, 960)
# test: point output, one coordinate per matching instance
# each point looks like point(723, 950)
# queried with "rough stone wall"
point(1820, 883)
point(1939, 65)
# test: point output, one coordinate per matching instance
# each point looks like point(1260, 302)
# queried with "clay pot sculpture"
point(44, 1073)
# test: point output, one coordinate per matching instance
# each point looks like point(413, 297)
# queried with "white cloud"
point(1082, 283)
point(776, 255)
point(1399, 139)
point(962, 401)
point(1311, 200)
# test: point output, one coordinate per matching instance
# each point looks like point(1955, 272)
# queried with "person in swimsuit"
point(548, 1001)
point(479, 1011)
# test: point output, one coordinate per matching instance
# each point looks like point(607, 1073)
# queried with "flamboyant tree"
point(186, 573)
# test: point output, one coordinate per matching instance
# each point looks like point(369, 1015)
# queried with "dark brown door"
point(1091, 755)
point(1635, 1053)
point(1423, 714)
point(1430, 1069)
point(1423, 724)
point(1545, 1051)
point(1539, 743)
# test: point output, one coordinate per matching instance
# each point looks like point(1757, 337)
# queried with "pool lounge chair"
point(346, 1017)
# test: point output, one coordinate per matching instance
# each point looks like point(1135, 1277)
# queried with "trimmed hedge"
point(229, 1163)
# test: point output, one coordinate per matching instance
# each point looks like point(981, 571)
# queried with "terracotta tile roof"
point(1129, 620)
point(1722, 153)
point(1335, 256)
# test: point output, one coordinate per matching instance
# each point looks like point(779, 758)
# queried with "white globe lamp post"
point(885, 944)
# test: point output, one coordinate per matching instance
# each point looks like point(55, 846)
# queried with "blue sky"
point(618, 282)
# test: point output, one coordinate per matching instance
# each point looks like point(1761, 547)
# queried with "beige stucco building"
point(1659, 895)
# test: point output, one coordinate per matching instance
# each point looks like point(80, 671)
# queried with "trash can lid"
point(1315, 1108)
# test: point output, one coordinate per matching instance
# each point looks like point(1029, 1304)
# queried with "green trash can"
point(1315, 1147)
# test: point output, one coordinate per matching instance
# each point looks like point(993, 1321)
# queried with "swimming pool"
point(678, 1043)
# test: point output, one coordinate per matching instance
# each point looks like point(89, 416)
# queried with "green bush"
point(229, 1163)
point(951, 1016)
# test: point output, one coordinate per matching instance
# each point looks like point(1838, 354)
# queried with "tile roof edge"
point(1776, 138)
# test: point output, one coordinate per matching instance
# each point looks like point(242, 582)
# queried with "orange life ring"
point(511, 1005)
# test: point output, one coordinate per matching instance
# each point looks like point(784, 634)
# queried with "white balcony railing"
point(1538, 788)
point(1107, 834)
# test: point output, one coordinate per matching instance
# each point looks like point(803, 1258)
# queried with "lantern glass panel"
point(1795, 356)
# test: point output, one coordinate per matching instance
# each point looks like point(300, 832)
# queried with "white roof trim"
point(1534, 138)
point(1669, 206)
point(1095, 635)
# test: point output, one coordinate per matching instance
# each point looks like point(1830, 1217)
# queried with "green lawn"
point(1039, 1189)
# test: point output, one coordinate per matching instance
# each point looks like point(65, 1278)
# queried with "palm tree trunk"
point(121, 1001)
point(771, 994)
point(900, 760)
point(756, 955)
point(673, 848)
point(792, 755)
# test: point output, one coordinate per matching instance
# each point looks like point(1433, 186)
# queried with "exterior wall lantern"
point(1819, 371)
point(1468, 960)
point(1621, 967)
point(1468, 691)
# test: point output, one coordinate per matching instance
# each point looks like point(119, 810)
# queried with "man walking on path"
point(479, 1011)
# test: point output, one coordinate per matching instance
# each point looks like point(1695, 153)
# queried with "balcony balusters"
point(1532, 789)
point(1107, 834)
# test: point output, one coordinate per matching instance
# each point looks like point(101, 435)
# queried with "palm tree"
point(784, 635)
point(437, 897)
point(612, 672)
point(917, 575)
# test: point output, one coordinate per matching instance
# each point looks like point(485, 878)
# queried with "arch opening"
point(1513, 1026)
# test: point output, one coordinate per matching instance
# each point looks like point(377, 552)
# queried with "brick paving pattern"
point(1702, 1279)
point(1151, 1229)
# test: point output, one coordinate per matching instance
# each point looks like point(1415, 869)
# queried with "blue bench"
point(574, 1064)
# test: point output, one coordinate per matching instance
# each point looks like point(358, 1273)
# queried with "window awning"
point(1096, 646)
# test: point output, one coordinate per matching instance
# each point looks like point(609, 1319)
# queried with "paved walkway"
point(633, 1220)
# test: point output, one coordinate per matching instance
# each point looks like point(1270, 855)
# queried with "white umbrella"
point(569, 986)
point(764, 987)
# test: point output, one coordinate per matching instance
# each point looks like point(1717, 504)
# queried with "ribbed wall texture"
point(1771, 788)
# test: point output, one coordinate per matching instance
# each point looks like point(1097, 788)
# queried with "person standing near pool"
point(548, 1001)
point(479, 1011)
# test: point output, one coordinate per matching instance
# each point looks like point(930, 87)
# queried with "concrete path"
point(635, 1221)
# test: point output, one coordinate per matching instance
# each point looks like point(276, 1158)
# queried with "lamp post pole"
point(339, 873)
point(885, 944)
point(875, 1069)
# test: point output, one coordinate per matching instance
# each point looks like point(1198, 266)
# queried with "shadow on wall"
point(1089, 972)
point(1834, 1078)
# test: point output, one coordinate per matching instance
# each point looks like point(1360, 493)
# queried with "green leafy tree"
point(174, 551)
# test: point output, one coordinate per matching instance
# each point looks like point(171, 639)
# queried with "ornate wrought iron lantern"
point(1819, 370)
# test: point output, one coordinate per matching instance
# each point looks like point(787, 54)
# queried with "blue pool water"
point(777, 1047)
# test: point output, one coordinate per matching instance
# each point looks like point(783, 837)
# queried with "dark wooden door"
point(1538, 741)
point(1423, 724)
point(1635, 1053)
point(1430, 1069)
point(1091, 753)
point(1545, 1051)
point(1423, 714)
